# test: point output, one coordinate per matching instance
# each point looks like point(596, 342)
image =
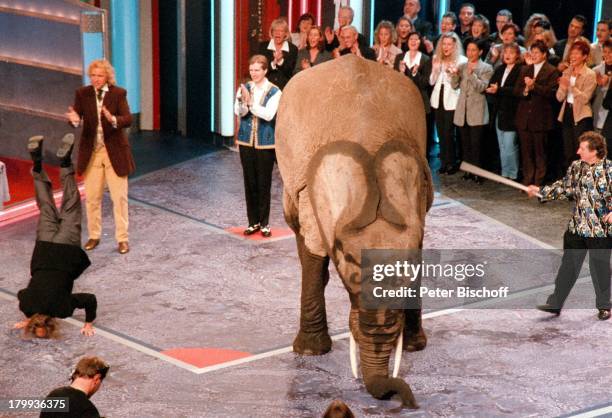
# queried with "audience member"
point(472, 113)
point(314, 53)
point(602, 34)
point(504, 16)
point(411, 12)
point(256, 105)
point(447, 57)
point(509, 34)
point(403, 29)
point(562, 48)
point(447, 24)
point(532, 21)
point(332, 38)
point(576, 88)
point(536, 88)
point(349, 39)
point(607, 127)
point(548, 37)
point(86, 380)
point(417, 66)
point(505, 102)
point(384, 47)
point(466, 15)
point(603, 74)
point(479, 31)
point(281, 55)
point(300, 38)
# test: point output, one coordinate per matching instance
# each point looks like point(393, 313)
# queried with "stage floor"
point(198, 321)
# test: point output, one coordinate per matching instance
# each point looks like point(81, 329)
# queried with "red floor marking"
point(276, 233)
point(20, 182)
point(204, 357)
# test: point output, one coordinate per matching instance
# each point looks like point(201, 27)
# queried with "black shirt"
point(54, 268)
point(79, 406)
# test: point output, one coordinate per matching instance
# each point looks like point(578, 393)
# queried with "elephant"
point(350, 146)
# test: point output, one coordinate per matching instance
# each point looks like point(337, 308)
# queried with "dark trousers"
point(575, 248)
point(257, 165)
point(63, 226)
point(533, 155)
point(446, 134)
point(471, 143)
point(571, 133)
point(429, 118)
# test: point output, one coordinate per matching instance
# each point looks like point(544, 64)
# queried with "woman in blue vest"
point(256, 104)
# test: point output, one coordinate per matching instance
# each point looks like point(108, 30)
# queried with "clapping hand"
point(528, 58)
point(436, 64)
point(608, 218)
point(564, 82)
point(305, 63)
point(107, 114)
point(471, 66)
point(492, 89)
point(602, 80)
point(529, 83)
point(402, 66)
point(329, 35)
point(245, 95)
point(415, 69)
point(72, 116)
point(278, 56)
point(429, 46)
point(494, 54)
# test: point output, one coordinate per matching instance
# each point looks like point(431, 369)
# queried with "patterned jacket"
point(590, 186)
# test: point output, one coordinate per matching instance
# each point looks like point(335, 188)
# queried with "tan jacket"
point(583, 91)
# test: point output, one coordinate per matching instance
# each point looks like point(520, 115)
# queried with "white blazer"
point(451, 95)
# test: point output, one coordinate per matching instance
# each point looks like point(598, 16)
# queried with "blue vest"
point(256, 132)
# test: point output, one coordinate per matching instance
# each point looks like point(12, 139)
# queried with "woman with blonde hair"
point(447, 57)
point(403, 29)
point(384, 37)
point(280, 53)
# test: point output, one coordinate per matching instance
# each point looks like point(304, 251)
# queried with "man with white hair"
point(411, 12)
point(332, 38)
point(350, 45)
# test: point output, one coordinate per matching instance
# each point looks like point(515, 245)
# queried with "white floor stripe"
point(601, 412)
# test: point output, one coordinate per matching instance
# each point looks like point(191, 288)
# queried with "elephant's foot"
point(312, 344)
point(385, 387)
point(415, 341)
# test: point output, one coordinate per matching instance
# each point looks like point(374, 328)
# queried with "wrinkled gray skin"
point(350, 144)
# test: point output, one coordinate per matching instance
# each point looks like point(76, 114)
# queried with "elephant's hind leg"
point(313, 337)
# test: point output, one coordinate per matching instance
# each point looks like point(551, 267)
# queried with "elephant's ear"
point(342, 188)
point(404, 181)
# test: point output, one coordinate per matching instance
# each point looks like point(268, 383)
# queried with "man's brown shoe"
point(123, 247)
point(91, 244)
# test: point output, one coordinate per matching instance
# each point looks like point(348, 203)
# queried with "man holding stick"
point(589, 182)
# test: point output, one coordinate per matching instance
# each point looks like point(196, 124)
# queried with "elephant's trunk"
point(377, 336)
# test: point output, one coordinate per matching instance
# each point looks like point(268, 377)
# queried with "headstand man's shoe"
point(266, 231)
point(35, 147)
point(65, 150)
point(91, 244)
point(549, 308)
point(252, 229)
point(604, 314)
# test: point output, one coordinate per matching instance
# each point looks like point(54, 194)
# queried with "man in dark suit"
point(466, 17)
point(562, 47)
point(332, 38)
point(536, 87)
point(349, 38)
point(281, 54)
point(104, 150)
point(422, 26)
